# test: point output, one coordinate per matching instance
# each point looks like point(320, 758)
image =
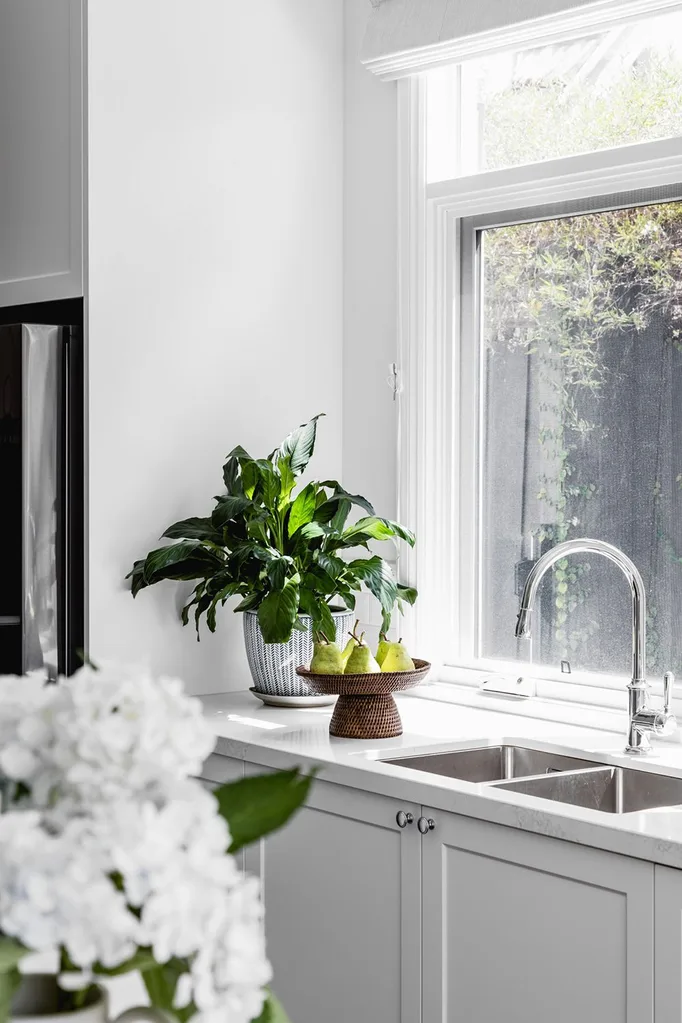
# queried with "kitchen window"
point(541, 319)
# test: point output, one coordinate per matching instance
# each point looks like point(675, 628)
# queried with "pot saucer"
point(298, 702)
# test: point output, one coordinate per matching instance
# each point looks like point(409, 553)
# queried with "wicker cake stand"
point(365, 708)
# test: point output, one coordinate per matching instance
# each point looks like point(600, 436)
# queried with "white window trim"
point(431, 469)
point(554, 28)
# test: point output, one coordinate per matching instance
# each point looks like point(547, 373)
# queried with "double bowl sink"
point(561, 777)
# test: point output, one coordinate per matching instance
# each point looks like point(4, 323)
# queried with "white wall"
point(215, 288)
point(370, 274)
point(370, 269)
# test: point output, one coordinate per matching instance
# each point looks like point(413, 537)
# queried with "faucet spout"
point(523, 623)
point(629, 570)
point(641, 719)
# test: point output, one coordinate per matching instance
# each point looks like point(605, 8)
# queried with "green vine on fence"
point(558, 290)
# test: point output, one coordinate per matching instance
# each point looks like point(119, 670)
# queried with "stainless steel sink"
point(609, 789)
point(492, 763)
point(559, 777)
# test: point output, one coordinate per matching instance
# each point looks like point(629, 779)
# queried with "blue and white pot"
point(273, 665)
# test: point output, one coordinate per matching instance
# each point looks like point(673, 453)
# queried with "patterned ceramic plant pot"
point(273, 665)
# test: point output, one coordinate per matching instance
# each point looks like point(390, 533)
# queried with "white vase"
point(36, 1002)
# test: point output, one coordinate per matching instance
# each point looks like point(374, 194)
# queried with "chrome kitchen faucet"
point(642, 720)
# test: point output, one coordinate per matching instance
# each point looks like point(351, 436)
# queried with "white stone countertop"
point(277, 738)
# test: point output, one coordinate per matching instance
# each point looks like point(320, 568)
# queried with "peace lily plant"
point(113, 855)
point(284, 551)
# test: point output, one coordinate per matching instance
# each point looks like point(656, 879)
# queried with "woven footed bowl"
point(365, 708)
point(374, 683)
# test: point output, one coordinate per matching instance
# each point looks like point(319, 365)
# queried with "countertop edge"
point(611, 833)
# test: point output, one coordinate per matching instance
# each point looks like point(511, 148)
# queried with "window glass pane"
point(581, 375)
point(610, 89)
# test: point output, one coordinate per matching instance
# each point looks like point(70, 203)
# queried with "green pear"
point(361, 661)
point(397, 658)
point(327, 658)
point(383, 648)
point(350, 645)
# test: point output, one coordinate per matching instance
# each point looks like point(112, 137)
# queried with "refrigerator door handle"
point(41, 394)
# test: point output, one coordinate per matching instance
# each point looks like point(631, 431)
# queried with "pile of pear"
point(357, 658)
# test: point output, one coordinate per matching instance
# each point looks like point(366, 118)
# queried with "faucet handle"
point(668, 683)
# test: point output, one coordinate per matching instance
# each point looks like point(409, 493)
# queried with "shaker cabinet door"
point(41, 166)
point(341, 884)
point(528, 929)
point(668, 945)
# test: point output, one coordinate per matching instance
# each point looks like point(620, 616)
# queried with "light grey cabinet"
point(526, 929)
point(41, 156)
point(342, 903)
point(469, 921)
point(668, 945)
point(219, 770)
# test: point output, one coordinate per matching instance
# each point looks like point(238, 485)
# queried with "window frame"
point(437, 434)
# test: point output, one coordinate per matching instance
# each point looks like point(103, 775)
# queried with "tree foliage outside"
point(629, 99)
point(588, 301)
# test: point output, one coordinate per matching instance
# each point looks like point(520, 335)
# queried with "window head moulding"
point(405, 37)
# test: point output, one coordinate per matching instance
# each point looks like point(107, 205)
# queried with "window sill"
point(567, 712)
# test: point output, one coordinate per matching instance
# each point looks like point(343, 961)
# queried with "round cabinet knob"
point(402, 819)
point(426, 824)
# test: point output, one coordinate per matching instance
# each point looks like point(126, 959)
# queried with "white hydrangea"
point(53, 894)
point(230, 970)
point(103, 735)
point(116, 846)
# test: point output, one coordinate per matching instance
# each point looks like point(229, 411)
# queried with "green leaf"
point(277, 571)
point(327, 511)
point(407, 593)
point(316, 606)
point(10, 982)
point(186, 560)
point(254, 807)
point(340, 516)
point(228, 508)
point(249, 603)
point(161, 983)
point(303, 508)
point(11, 953)
point(272, 1012)
point(278, 613)
point(231, 469)
point(318, 581)
point(312, 530)
point(324, 622)
point(270, 485)
point(287, 481)
point(378, 578)
point(250, 479)
point(344, 591)
point(331, 565)
point(142, 960)
point(196, 597)
point(193, 529)
point(298, 446)
point(374, 528)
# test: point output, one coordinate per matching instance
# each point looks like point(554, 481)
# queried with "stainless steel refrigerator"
point(41, 499)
